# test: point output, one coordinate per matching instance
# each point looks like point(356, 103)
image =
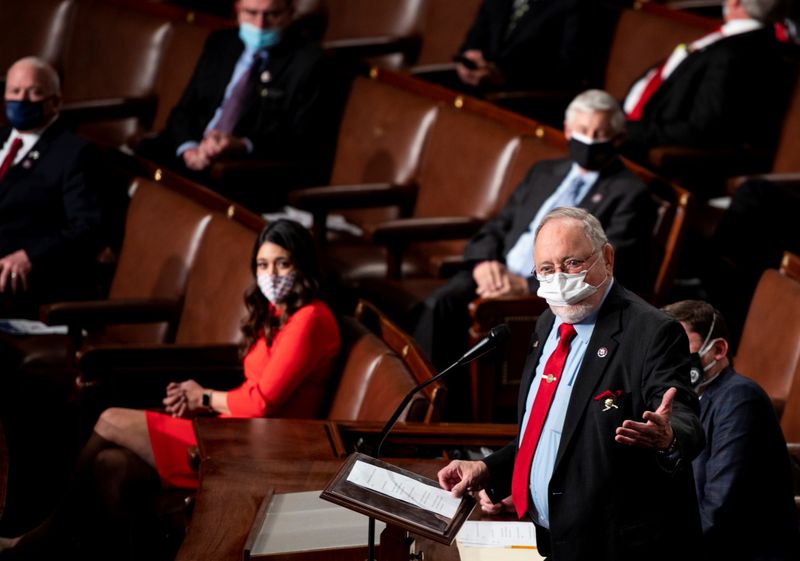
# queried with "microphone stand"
point(496, 335)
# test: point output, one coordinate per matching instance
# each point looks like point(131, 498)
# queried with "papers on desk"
point(302, 522)
point(401, 487)
point(497, 541)
point(30, 327)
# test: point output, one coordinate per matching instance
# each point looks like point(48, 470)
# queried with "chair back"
point(156, 270)
point(213, 307)
point(787, 156)
point(381, 364)
point(34, 28)
point(769, 350)
point(642, 38)
point(446, 24)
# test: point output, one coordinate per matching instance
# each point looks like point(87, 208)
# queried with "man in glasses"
point(608, 419)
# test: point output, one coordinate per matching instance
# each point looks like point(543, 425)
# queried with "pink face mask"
point(275, 288)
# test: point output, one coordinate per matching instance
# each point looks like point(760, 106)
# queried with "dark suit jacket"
point(281, 115)
point(609, 501)
point(546, 48)
point(743, 475)
point(49, 207)
point(732, 92)
point(618, 199)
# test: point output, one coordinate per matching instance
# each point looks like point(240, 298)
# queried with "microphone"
point(497, 335)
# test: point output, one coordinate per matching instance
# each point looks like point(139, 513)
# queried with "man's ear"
point(608, 255)
point(720, 347)
point(567, 130)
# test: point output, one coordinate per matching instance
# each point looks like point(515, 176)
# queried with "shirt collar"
point(737, 26)
point(588, 176)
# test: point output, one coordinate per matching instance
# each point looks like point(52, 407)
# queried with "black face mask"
point(696, 370)
point(594, 156)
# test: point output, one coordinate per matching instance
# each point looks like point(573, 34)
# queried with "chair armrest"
point(504, 96)
point(360, 47)
point(320, 200)
point(136, 376)
point(488, 312)
point(403, 231)
point(790, 180)
point(93, 110)
point(397, 234)
point(422, 70)
point(104, 312)
point(721, 162)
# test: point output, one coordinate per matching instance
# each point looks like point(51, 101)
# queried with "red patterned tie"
point(16, 144)
point(520, 481)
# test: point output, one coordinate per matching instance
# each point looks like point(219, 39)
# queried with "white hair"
point(591, 225)
point(597, 101)
point(45, 70)
point(764, 10)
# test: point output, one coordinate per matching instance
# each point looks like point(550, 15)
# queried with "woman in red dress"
point(291, 341)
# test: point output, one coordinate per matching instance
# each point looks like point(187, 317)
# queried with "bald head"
point(33, 93)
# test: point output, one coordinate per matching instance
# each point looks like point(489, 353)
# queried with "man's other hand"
point(14, 270)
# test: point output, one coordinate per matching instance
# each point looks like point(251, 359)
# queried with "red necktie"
point(650, 88)
point(16, 144)
point(233, 107)
point(520, 481)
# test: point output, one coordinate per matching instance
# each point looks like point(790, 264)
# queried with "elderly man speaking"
point(608, 419)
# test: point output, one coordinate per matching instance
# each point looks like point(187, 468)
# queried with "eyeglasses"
point(569, 265)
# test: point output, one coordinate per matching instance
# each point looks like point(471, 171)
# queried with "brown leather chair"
point(769, 350)
point(110, 65)
point(363, 28)
point(445, 26)
point(34, 28)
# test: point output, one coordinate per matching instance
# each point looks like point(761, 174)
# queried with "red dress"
point(286, 379)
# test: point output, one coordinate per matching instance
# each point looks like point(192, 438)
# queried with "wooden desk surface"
point(243, 459)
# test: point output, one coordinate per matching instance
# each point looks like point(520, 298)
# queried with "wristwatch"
point(207, 399)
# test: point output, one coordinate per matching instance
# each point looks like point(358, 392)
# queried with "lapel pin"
point(535, 344)
point(597, 197)
point(602, 352)
point(266, 76)
point(609, 403)
point(26, 164)
point(34, 155)
point(264, 92)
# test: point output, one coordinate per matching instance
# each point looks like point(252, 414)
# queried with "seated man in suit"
point(744, 467)
point(255, 92)
point(50, 217)
point(525, 43)
point(499, 259)
point(727, 88)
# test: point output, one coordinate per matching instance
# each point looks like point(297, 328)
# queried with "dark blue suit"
point(742, 476)
point(49, 208)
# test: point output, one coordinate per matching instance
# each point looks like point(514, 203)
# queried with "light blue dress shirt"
point(242, 66)
point(520, 259)
point(544, 459)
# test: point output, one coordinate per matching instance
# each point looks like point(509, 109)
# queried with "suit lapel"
point(28, 164)
point(597, 195)
point(540, 188)
point(594, 366)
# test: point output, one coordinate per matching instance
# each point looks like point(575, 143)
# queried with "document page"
point(497, 541)
point(401, 487)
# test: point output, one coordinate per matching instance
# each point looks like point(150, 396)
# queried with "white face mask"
point(565, 289)
point(275, 288)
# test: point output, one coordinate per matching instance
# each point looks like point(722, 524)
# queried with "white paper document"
point(497, 534)
point(497, 541)
point(406, 489)
point(31, 327)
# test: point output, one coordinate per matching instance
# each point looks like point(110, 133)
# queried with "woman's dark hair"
point(295, 239)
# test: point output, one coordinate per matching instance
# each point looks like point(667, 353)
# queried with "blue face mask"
point(25, 115)
point(256, 38)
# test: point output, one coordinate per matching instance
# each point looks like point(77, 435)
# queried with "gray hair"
point(764, 10)
point(45, 70)
point(598, 101)
point(591, 225)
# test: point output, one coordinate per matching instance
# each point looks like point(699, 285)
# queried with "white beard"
point(573, 313)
